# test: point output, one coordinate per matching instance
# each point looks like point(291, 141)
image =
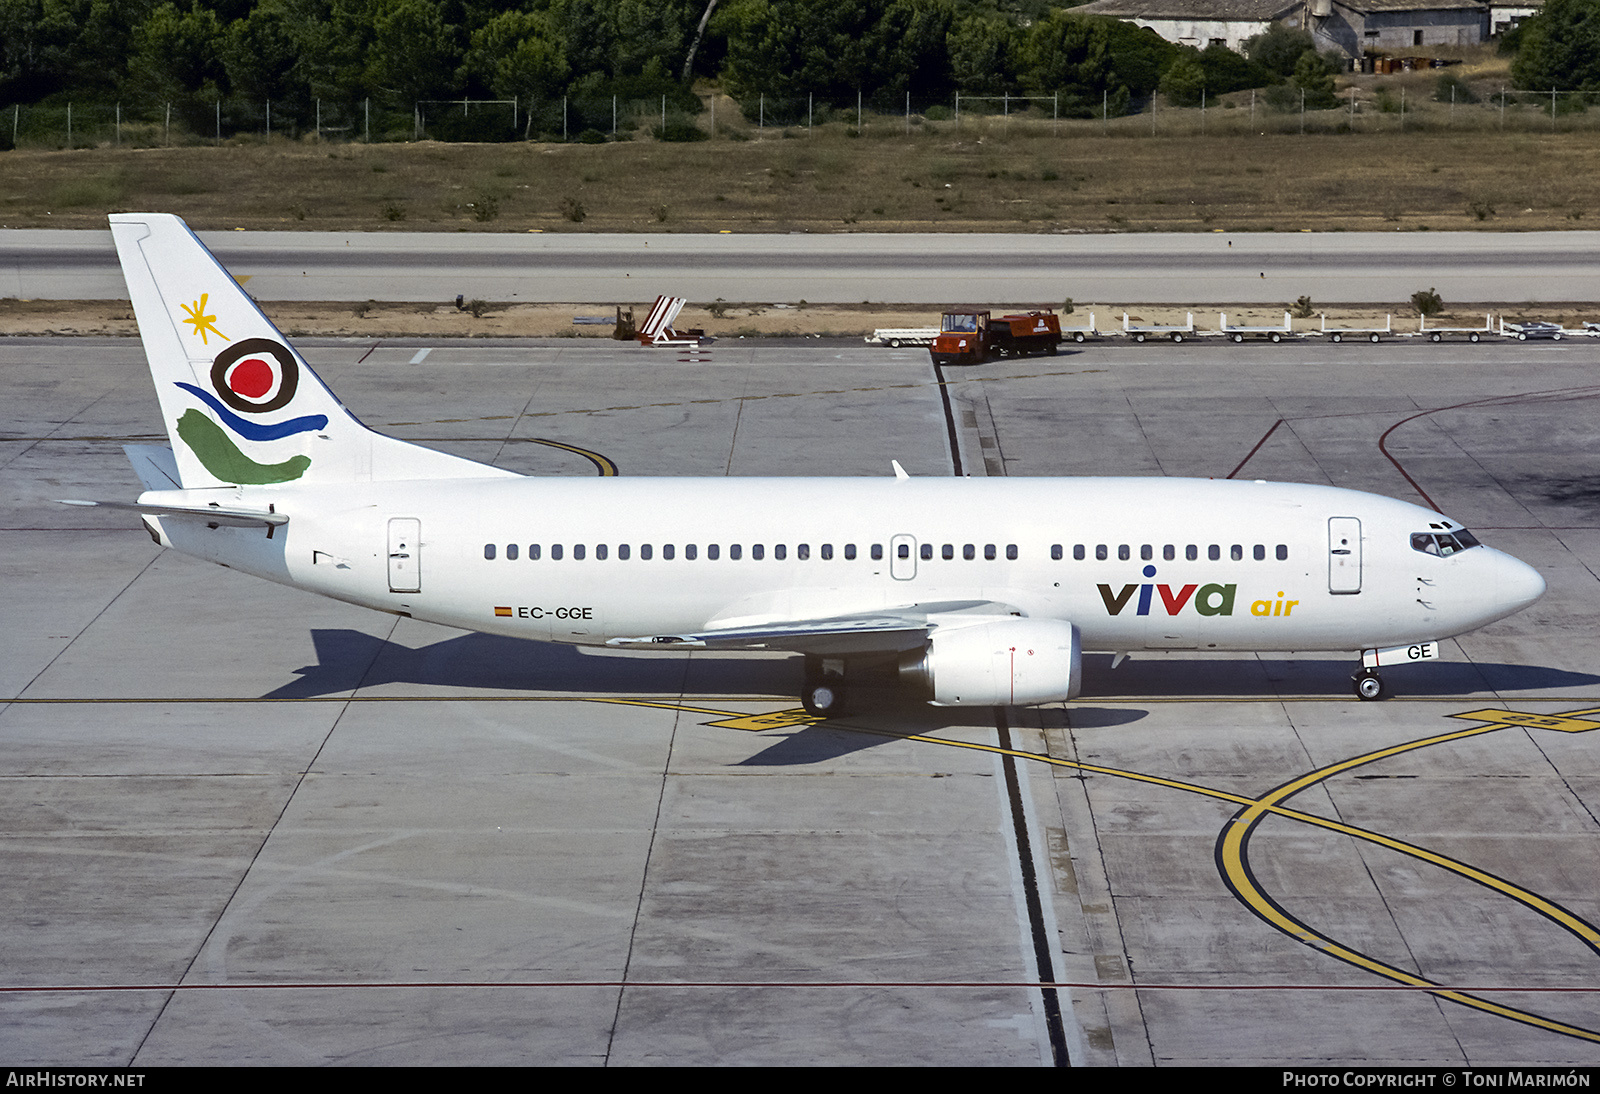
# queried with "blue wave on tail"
point(253, 431)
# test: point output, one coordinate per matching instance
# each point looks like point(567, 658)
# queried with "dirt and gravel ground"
point(427, 320)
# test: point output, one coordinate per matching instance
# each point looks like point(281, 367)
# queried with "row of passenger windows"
point(1169, 552)
point(758, 551)
point(969, 551)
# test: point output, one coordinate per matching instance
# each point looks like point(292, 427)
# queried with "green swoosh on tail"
point(222, 457)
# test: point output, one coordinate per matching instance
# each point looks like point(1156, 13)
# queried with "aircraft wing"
point(886, 631)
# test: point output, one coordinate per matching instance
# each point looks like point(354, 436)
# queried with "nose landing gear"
point(1369, 685)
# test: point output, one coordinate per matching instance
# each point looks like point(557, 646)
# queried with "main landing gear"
point(1369, 685)
point(822, 694)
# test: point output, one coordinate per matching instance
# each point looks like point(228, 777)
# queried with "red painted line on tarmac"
point(1383, 447)
point(1553, 395)
point(1249, 455)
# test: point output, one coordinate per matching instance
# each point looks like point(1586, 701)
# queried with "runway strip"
point(1143, 268)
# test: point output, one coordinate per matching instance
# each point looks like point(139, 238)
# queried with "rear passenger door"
point(405, 555)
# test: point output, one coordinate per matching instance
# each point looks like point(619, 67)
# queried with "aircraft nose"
point(1519, 584)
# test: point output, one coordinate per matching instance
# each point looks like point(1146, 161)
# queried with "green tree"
point(520, 54)
point(80, 47)
point(1184, 82)
point(790, 48)
point(651, 30)
point(1228, 71)
point(99, 54)
point(913, 51)
point(981, 55)
point(1064, 52)
point(1094, 63)
point(588, 35)
point(630, 49)
point(34, 45)
point(1279, 48)
point(175, 59)
point(1560, 48)
point(1313, 74)
point(262, 54)
point(414, 52)
point(336, 40)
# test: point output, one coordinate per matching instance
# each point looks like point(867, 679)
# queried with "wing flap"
point(888, 631)
point(837, 636)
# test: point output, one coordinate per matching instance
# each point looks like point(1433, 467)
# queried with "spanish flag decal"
point(502, 611)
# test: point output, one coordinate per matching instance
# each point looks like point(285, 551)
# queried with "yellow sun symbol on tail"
point(202, 322)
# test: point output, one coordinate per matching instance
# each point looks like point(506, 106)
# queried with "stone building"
point(1201, 23)
point(1350, 27)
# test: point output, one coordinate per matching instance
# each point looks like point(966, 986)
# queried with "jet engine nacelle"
point(1019, 662)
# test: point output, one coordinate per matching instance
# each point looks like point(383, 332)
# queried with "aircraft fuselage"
point(1134, 563)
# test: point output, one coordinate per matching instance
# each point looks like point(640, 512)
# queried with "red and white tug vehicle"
point(970, 336)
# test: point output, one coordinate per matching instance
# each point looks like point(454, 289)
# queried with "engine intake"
point(1019, 662)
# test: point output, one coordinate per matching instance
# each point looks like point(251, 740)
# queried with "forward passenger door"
point(903, 558)
point(1344, 555)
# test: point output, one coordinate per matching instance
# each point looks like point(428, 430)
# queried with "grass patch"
point(985, 174)
point(95, 191)
point(176, 183)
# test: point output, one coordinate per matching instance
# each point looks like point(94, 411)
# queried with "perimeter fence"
point(1372, 105)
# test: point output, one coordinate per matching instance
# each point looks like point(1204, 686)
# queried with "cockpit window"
point(953, 322)
point(1443, 544)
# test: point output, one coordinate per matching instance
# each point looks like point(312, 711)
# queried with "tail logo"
point(201, 322)
point(255, 376)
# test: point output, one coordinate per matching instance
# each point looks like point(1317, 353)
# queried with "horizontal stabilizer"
point(155, 465)
point(211, 513)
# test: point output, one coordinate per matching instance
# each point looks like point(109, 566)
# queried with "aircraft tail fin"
point(240, 405)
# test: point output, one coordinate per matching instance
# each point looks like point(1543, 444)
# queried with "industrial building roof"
point(1410, 5)
point(1261, 11)
point(1232, 11)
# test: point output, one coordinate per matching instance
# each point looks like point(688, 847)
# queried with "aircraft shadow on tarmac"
point(880, 719)
point(1248, 677)
point(349, 659)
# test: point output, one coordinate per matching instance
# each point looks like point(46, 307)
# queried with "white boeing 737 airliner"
point(979, 592)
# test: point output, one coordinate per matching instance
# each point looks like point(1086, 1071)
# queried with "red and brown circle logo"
point(256, 375)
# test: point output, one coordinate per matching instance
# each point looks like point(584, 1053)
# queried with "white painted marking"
point(422, 355)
